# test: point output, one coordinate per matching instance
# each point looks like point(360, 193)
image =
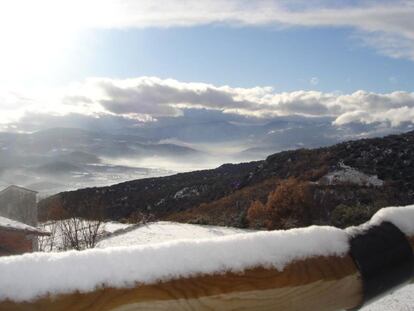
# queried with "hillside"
point(350, 181)
point(158, 196)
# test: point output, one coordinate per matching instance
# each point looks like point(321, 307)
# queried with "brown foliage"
point(230, 210)
point(288, 206)
point(257, 214)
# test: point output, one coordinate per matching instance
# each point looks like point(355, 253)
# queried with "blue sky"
point(142, 60)
point(244, 57)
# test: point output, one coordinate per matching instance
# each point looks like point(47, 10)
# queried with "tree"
point(257, 215)
point(78, 233)
point(288, 206)
point(47, 243)
point(70, 231)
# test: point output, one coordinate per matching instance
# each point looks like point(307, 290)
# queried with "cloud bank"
point(146, 99)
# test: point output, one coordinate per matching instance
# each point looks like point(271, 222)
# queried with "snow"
point(400, 300)
point(114, 226)
point(401, 216)
point(15, 225)
point(163, 231)
point(165, 250)
point(186, 192)
point(29, 276)
point(56, 242)
point(348, 174)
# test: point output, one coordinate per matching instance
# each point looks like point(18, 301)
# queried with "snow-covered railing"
point(315, 268)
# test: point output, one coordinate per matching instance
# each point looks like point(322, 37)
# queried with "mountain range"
point(107, 151)
point(64, 158)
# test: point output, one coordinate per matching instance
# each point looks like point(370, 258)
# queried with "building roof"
point(13, 225)
point(18, 188)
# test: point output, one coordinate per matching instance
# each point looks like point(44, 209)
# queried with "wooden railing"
point(380, 258)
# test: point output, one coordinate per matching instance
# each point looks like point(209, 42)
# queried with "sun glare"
point(35, 37)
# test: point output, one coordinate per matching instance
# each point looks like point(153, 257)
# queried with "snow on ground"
point(400, 300)
point(113, 226)
point(348, 174)
point(56, 241)
point(187, 192)
point(163, 231)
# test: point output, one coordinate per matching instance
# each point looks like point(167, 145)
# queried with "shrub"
point(344, 216)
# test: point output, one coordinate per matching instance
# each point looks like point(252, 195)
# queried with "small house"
point(17, 238)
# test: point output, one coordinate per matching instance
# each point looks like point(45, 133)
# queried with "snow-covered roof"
point(10, 224)
point(18, 188)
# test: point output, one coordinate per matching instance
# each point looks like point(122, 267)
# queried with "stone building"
point(18, 221)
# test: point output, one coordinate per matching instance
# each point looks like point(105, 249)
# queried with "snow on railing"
point(314, 268)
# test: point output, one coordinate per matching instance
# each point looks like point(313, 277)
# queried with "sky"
point(143, 60)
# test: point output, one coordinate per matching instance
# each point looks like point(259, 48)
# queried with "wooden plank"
point(322, 283)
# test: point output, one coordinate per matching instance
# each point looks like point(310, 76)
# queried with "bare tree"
point(48, 243)
point(90, 232)
point(78, 233)
point(71, 233)
point(78, 229)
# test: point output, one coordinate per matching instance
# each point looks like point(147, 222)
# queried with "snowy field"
point(113, 226)
point(164, 231)
point(63, 232)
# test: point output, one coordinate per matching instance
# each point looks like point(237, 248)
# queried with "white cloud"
point(148, 98)
point(386, 25)
point(393, 45)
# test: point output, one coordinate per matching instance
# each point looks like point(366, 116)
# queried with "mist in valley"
point(51, 160)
